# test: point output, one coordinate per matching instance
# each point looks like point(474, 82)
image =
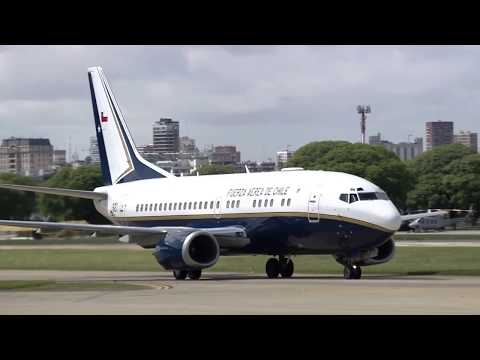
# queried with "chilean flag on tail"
point(104, 118)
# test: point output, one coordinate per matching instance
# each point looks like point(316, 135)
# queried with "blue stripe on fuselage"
point(289, 235)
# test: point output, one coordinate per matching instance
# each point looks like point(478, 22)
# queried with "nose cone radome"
point(389, 217)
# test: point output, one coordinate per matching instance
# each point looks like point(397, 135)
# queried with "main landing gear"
point(352, 272)
point(182, 274)
point(281, 266)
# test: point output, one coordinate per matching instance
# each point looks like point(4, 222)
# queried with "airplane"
point(434, 219)
point(191, 221)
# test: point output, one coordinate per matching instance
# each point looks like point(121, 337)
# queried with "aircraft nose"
point(389, 217)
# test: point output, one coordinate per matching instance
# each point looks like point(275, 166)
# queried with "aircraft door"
point(314, 208)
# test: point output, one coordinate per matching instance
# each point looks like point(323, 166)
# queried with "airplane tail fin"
point(120, 160)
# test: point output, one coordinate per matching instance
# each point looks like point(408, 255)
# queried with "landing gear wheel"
point(272, 268)
point(195, 274)
point(180, 274)
point(287, 269)
point(352, 272)
point(358, 272)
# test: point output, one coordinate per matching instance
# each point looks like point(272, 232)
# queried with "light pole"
point(363, 110)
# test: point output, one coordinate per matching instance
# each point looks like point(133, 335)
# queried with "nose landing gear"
point(282, 266)
point(352, 272)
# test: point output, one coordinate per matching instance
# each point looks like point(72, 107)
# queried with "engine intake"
point(378, 255)
point(200, 249)
point(187, 250)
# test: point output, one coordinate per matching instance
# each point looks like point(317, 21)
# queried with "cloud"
point(260, 98)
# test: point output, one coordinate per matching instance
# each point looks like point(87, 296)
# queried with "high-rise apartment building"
point(166, 136)
point(59, 157)
point(467, 138)
point(404, 150)
point(225, 155)
point(438, 133)
point(282, 158)
point(27, 157)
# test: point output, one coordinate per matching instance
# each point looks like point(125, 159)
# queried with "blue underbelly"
point(289, 235)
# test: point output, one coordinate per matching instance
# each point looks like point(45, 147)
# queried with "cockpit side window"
point(353, 198)
point(367, 196)
point(344, 197)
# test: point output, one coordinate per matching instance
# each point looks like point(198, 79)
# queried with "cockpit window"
point(382, 196)
point(344, 197)
point(367, 196)
point(353, 198)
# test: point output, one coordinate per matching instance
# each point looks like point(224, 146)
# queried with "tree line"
point(445, 177)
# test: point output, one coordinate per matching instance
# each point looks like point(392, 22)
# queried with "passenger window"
point(136, 209)
point(195, 205)
point(344, 197)
point(141, 207)
point(271, 202)
point(353, 198)
point(283, 202)
point(169, 206)
point(205, 205)
point(160, 207)
point(218, 204)
point(200, 205)
point(146, 207)
point(254, 203)
point(211, 204)
point(185, 205)
point(175, 206)
point(228, 204)
point(151, 206)
point(155, 207)
point(265, 203)
point(165, 207)
point(238, 204)
point(179, 206)
point(289, 201)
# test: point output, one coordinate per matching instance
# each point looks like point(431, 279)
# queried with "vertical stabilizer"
point(120, 160)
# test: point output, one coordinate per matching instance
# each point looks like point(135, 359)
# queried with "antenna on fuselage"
point(246, 169)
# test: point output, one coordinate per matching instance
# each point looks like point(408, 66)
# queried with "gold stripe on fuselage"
point(251, 215)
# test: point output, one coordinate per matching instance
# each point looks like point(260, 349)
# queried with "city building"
point(27, 157)
point(225, 155)
point(404, 150)
point(282, 158)
point(149, 153)
point(59, 157)
point(407, 150)
point(187, 145)
point(264, 166)
point(438, 133)
point(93, 150)
point(468, 139)
point(166, 136)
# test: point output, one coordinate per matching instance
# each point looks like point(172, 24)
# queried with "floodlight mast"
point(363, 110)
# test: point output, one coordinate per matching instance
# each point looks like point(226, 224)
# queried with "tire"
point(180, 274)
point(358, 272)
point(272, 268)
point(287, 269)
point(195, 274)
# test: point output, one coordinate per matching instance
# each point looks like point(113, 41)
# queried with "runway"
point(224, 293)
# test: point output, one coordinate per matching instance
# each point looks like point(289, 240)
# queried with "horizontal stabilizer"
point(92, 195)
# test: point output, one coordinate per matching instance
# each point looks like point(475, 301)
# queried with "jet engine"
point(196, 250)
point(378, 255)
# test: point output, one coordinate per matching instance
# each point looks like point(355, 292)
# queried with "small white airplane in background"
point(433, 219)
point(190, 221)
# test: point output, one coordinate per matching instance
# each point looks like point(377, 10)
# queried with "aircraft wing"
point(228, 237)
point(92, 195)
point(420, 215)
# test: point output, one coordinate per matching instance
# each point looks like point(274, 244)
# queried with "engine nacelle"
point(379, 255)
point(197, 250)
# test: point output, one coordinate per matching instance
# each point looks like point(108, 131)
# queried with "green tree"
point(66, 208)
point(447, 177)
point(374, 163)
point(17, 205)
point(211, 169)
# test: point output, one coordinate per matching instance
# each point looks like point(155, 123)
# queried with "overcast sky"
point(260, 98)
